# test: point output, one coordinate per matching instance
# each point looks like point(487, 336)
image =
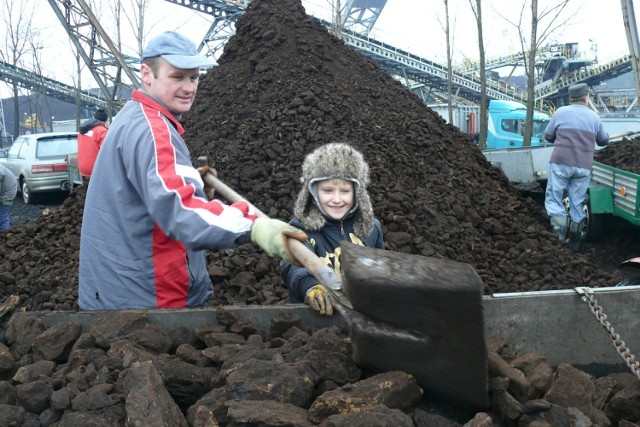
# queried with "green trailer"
point(612, 191)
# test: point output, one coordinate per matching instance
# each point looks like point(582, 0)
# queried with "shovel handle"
point(623, 134)
point(300, 251)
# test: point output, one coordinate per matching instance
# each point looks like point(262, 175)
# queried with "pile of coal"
point(122, 369)
point(284, 86)
point(624, 154)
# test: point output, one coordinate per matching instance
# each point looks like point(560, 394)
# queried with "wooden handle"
point(228, 193)
point(623, 134)
point(300, 251)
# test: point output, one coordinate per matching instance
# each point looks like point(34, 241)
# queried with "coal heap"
point(284, 86)
point(624, 154)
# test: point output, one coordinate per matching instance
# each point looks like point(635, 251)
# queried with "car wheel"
point(27, 198)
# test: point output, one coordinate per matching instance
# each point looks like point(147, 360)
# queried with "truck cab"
point(506, 122)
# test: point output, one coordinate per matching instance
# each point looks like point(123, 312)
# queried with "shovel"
point(623, 134)
point(406, 312)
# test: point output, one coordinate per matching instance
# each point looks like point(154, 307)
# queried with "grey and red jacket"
point(147, 220)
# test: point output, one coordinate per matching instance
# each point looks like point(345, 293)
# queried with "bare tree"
point(449, 60)
point(78, 86)
point(42, 106)
point(134, 12)
point(476, 7)
point(337, 8)
point(544, 23)
point(137, 22)
point(17, 17)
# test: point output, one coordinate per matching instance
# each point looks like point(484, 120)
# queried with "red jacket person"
point(90, 137)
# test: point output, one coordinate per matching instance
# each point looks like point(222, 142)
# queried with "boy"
point(333, 205)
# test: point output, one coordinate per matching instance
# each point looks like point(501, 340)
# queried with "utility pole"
point(631, 28)
point(3, 128)
point(337, 19)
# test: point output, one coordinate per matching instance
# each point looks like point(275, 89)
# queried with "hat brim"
point(188, 62)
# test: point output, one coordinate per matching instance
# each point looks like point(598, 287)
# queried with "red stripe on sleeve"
point(166, 165)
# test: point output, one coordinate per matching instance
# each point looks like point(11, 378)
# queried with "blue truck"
point(505, 135)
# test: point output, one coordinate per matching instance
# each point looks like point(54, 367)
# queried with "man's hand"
point(319, 299)
point(272, 234)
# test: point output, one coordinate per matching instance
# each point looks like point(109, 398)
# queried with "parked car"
point(39, 162)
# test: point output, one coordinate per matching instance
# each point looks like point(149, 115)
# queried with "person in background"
point(90, 138)
point(333, 205)
point(574, 131)
point(8, 190)
point(147, 220)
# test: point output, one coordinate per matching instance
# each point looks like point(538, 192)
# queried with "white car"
point(39, 162)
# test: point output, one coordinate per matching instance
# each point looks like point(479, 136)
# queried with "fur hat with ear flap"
point(334, 160)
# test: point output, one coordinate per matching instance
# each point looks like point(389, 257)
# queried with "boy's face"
point(174, 87)
point(336, 197)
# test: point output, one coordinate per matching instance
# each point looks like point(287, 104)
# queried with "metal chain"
point(620, 345)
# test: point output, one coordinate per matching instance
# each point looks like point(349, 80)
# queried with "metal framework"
point(50, 87)
point(115, 74)
point(105, 62)
point(361, 15)
point(224, 13)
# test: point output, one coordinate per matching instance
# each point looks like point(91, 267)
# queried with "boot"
point(575, 236)
point(559, 227)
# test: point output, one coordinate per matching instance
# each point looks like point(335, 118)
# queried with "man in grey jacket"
point(147, 219)
point(8, 190)
point(574, 130)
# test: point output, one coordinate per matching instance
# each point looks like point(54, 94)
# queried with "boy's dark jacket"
point(335, 160)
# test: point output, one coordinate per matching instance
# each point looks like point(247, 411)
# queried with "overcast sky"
point(412, 25)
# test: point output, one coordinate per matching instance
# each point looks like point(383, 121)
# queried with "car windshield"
point(53, 148)
point(539, 126)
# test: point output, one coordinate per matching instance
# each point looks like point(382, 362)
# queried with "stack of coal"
point(285, 86)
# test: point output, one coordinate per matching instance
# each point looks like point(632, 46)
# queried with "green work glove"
point(7, 202)
point(319, 299)
point(272, 236)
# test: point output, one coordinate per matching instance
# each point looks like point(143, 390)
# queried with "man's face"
point(174, 87)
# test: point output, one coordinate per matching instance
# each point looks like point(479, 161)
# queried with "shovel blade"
point(424, 317)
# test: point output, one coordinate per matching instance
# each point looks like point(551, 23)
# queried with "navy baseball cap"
point(177, 50)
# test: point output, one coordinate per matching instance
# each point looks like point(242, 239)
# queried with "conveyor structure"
point(115, 73)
